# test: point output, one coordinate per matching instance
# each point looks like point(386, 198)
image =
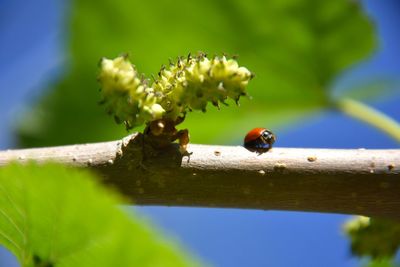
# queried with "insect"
point(259, 140)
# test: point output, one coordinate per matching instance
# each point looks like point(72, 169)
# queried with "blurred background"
point(307, 56)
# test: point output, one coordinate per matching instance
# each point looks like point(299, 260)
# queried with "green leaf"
point(374, 237)
point(296, 48)
point(382, 263)
point(51, 215)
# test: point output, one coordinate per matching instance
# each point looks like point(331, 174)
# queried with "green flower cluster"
point(125, 96)
point(189, 84)
point(374, 237)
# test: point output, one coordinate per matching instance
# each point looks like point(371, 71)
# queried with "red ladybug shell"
point(259, 140)
point(254, 134)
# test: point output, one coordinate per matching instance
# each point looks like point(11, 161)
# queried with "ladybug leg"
point(269, 147)
point(270, 143)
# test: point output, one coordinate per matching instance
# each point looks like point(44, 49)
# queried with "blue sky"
point(32, 45)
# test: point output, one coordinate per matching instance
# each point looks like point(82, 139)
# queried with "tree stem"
point(352, 181)
point(371, 116)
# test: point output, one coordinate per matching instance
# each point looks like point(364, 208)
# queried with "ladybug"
point(259, 140)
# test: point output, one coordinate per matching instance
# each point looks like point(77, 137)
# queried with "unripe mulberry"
point(125, 96)
point(189, 84)
point(192, 83)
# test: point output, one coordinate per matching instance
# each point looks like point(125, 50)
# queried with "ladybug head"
point(268, 137)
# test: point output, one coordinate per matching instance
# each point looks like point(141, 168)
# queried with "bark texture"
point(352, 181)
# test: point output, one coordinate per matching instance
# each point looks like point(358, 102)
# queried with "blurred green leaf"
point(374, 237)
point(54, 216)
point(382, 263)
point(295, 47)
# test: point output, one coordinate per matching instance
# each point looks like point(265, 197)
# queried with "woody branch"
point(351, 181)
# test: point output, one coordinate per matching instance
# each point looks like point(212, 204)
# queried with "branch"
point(353, 181)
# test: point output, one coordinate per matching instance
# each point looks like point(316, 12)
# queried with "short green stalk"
point(370, 115)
